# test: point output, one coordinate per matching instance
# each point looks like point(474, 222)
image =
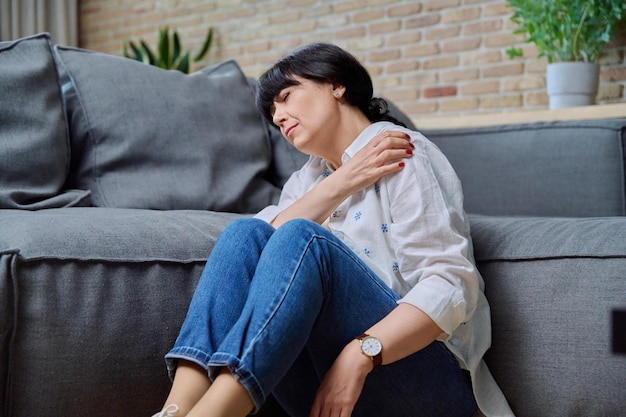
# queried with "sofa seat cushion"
point(565, 168)
point(111, 235)
point(552, 284)
point(144, 137)
point(34, 145)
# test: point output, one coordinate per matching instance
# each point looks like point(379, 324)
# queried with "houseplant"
point(572, 35)
point(168, 53)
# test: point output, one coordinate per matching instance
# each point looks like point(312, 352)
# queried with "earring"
point(337, 94)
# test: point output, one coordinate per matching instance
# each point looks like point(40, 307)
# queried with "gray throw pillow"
point(144, 137)
point(34, 149)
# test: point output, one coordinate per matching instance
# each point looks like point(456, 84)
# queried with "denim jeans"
point(276, 306)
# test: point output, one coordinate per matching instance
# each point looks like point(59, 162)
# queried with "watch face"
point(371, 346)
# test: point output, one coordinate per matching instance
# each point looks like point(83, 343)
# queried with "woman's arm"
point(405, 330)
point(429, 236)
point(378, 158)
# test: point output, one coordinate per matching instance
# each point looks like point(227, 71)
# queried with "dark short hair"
point(322, 62)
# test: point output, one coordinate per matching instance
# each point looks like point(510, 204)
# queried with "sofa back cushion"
point(34, 148)
point(564, 168)
point(144, 137)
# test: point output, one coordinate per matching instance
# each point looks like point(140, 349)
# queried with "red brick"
point(420, 107)
point(445, 32)
point(524, 83)
point(423, 21)
point(405, 10)
point(613, 74)
point(481, 58)
point(441, 4)
point(385, 27)
point(501, 101)
point(420, 78)
point(459, 105)
point(459, 75)
point(353, 32)
point(462, 45)
point(536, 99)
point(404, 94)
point(431, 92)
point(503, 70)
point(402, 66)
point(346, 6)
point(404, 37)
point(445, 62)
point(368, 16)
point(462, 15)
point(496, 9)
point(480, 87)
point(610, 92)
point(422, 49)
point(386, 55)
point(482, 27)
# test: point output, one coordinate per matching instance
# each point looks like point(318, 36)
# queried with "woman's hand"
point(404, 331)
point(383, 155)
point(342, 385)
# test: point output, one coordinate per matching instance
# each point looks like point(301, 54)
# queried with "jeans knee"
point(299, 227)
point(248, 227)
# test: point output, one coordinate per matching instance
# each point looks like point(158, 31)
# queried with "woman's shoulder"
point(417, 138)
point(312, 169)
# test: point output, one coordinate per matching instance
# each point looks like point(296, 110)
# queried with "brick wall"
point(430, 57)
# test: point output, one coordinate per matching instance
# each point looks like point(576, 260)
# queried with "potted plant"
point(572, 35)
point(169, 53)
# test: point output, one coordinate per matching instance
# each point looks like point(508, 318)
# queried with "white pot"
point(572, 84)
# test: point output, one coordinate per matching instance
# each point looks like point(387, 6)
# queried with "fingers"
point(383, 155)
point(392, 139)
point(392, 145)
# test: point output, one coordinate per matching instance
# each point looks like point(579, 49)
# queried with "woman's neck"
point(352, 124)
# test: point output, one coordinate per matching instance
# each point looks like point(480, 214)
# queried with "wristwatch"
point(372, 348)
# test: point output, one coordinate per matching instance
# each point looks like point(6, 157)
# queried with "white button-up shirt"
point(410, 228)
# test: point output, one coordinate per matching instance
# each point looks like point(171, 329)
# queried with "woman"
point(364, 265)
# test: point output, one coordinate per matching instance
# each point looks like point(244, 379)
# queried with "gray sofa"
point(117, 178)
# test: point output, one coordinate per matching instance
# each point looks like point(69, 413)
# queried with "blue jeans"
point(277, 306)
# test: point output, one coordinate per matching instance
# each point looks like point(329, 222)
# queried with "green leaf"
point(514, 52)
point(163, 46)
point(136, 52)
point(208, 41)
point(147, 54)
point(177, 48)
point(183, 64)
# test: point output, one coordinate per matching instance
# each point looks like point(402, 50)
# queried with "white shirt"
point(410, 228)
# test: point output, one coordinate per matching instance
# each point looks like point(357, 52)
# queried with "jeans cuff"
point(187, 353)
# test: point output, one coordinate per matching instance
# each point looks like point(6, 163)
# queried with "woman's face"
point(308, 115)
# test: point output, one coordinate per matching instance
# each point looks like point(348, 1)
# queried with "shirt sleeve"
point(430, 237)
point(296, 186)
